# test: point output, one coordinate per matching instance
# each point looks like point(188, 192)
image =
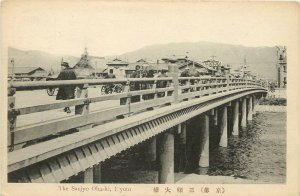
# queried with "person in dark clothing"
point(185, 73)
point(110, 75)
point(66, 92)
point(137, 73)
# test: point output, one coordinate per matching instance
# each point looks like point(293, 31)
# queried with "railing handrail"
point(32, 85)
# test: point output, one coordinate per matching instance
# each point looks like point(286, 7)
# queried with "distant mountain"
point(35, 58)
point(261, 60)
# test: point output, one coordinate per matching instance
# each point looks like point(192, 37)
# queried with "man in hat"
point(66, 92)
point(186, 72)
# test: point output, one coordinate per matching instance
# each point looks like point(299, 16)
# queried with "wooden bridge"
point(55, 150)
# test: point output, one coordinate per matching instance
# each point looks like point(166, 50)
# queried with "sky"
point(106, 28)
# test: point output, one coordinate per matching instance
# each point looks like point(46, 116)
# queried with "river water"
point(258, 155)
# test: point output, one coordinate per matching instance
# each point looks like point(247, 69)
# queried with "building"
point(27, 73)
point(281, 67)
point(147, 65)
point(83, 67)
point(216, 68)
point(183, 62)
point(118, 67)
point(99, 73)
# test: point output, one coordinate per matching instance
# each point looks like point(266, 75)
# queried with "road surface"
point(40, 97)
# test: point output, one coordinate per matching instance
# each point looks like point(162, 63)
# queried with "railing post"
point(82, 93)
point(12, 118)
point(228, 82)
point(173, 70)
point(126, 100)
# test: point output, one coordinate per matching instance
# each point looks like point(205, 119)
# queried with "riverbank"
point(270, 108)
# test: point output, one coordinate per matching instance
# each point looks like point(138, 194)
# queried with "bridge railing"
point(148, 95)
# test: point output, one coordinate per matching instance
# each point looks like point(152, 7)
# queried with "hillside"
point(35, 58)
point(261, 60)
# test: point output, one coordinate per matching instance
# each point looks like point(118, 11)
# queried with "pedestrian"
point(109, 87)
point(66, 92)
point(186, 72)
point(110, 75)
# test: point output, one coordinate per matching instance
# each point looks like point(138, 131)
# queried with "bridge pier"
point(166, 158)
point(235, 118)
point(215, 117)
point(204, 141)
point(254, 102)
point(182, 146)
point(151, 152)
point(97, 173)
point(243, 115)
point(249, 110)
point(88, 175)
point(223, 127)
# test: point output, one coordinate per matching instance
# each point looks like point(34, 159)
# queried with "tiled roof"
point(175, 57)
point(154, 66)
point(23, 70)
point(117, 62)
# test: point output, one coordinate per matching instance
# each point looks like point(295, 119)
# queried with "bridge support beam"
point(243, 115)
point(235, 118)
point(166, 159)
point(204, 144)
point(97, 173)
point(249, 110)
point(223, 128)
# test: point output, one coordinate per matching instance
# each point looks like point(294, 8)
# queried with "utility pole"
point(13, 69)
point(187, 59)
point(96, 67)
point(193, 62)
point(213, 57)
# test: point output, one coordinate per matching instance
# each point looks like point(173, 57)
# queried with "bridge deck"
point(36, 153)
point(54, 160)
